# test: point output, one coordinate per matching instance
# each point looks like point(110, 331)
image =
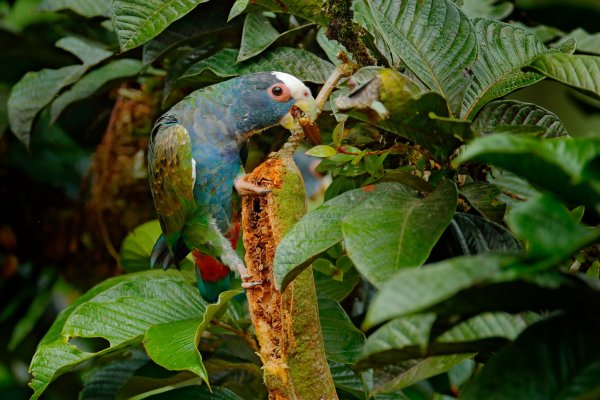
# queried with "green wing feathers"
point(172, 176)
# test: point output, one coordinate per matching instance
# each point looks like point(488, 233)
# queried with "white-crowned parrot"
point(194, 164)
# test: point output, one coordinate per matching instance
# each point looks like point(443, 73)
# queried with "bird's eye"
point(277, 91)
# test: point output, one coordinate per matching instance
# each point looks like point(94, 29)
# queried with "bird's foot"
point(245, 188)
point(248, 285)
point(245, 275)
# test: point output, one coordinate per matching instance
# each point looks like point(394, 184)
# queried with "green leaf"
point(397, 229)
point(420, 370)
point(586, 42)
point(259, 34)
point(36, 89)
point(203, 26)
point(514, 188)
point(475, 235)
point(410, 337)
point(348, 380)
point(549, 228)
point(300, 63)
point(89, 53)
point(337, 290)
point(237, 9)
point(194, 392)
point(578, 71)
point(311, 10)
point(321, 151)
point(119, 310)
point(173, 345)
point(331, 47)
point(503, 50)
point(33, 92)
point(503, 113)
point(556, 358)
point(92, 82)
point(562, 166)
point(341, 339)
point(491, 9)
point(137, 247)
point(484, 198)
point(317, 231)
point(137, 22)
point(104, 382)
point(432, 37)
point(394, 102)
point(86, 8)
point(416, 289)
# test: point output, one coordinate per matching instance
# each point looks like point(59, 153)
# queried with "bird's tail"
point(163, 256)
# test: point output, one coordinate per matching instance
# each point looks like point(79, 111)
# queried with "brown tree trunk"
point(287, 324)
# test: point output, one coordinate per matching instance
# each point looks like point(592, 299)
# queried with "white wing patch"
point(193, 171)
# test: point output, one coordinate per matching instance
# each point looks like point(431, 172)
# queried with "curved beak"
point(303, 115)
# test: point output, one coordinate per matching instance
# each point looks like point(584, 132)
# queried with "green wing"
point(172, 175)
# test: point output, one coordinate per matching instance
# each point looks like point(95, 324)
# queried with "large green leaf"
point(173, 345)
point(36, 89)
point(33, 92)
point(503, 50)
point(411, 337)
point(397, 229)
point(317, 231)
point(578, 71)
point(557, 358)
point(119, 310)
point(549, 228)
point(432, 37)
point(416, 289)
point(300, 63)
point(563, 166)
point(259, 34)
point(341, 339)
point(418, 370)
point(202, 27)
point(94, 81)
point(470, 234)
point(492, 9)
point(86, 8)
point(136, 248)
point(505, 113)
point(89, 53)
point(348, 380)
point(104, 382)
point(137, 22)
point(394, 102)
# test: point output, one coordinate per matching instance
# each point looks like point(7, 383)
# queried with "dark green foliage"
point(460, 230)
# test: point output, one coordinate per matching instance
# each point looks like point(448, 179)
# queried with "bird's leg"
point(228, 255)
point(245, 188)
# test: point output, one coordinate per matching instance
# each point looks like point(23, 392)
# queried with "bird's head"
point(277, 98)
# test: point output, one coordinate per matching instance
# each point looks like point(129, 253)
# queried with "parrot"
point(194, 165)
